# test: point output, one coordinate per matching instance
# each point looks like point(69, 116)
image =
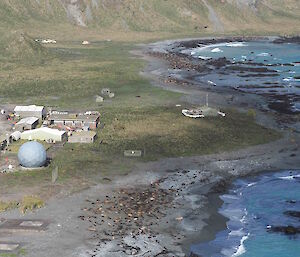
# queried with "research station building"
point(82, 137)
point(75, 121)
point(27, 123)
point(31, 111)
point(45, 134)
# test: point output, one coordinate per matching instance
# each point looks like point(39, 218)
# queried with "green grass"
point(13, 148)
point(165, 132)
point(6, 206)
point(8, 255)
point(140, 117)
point(85, 72)
point(30, 203)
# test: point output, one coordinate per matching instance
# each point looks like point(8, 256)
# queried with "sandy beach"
point(161, 207)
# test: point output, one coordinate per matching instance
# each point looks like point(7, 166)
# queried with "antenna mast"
point(207, 100)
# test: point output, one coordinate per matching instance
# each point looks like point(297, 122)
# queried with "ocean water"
point(252, 205)
point(278, 79)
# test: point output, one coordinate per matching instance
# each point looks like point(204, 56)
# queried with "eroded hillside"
point(207, 16)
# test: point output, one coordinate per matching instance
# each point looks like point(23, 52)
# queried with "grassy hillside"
point(18, 46)
point(51, 17)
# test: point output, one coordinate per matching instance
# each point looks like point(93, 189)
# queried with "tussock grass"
point(30, 203)
point(6, 206)
point(165, 132)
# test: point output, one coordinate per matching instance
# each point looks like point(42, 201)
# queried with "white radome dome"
point(32, 155)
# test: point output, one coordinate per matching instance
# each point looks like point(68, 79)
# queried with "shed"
point(16, 135)
point(31, 111)
point(27, 123)
point(83, 137)
point(45, 134)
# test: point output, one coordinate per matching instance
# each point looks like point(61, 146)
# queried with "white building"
point(27, 123)
point(16, 135)
point(31, 111)
point(45, 134)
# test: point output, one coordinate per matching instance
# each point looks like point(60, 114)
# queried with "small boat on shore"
point(202, 112)
point(193, 113)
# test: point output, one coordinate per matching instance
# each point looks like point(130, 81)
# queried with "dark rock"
point(291, 201)
point(282, 40)
point(251, 69)
point(220, 187)
point(288, 230)
point(218, 63)
point(295, 214)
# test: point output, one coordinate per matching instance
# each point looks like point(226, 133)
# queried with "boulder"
point(294, 214)
point(99, 99)
point(105, 91)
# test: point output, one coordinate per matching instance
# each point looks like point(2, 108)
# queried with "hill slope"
point(20, 46)
point(208, 16)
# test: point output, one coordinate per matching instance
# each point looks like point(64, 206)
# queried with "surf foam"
point(241, 249)
point(217, 50)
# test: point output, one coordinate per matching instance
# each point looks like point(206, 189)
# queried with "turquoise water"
point(260, 67)
point(251, 206)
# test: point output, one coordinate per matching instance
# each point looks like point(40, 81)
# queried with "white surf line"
point(241, 249)
point(205, 47)
point(236, 44)
point(290, 177)
point(213, 46)
point(217, 50)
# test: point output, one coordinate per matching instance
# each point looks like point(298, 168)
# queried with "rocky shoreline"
point(282, 40)
point(188, 68)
